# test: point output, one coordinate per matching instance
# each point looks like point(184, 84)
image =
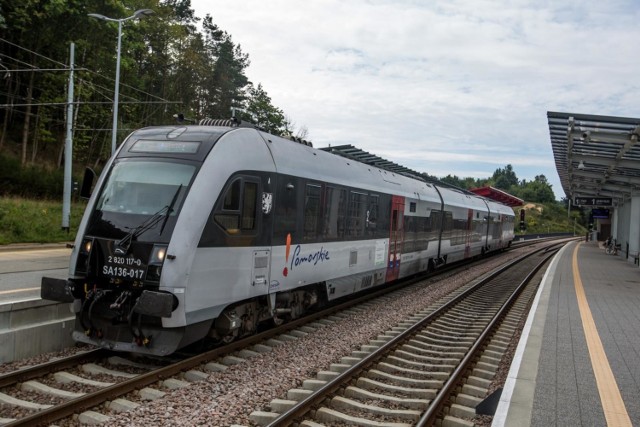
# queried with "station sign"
point(592, 201)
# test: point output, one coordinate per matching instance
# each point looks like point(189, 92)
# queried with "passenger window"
point(334, 213)
point(357, 214)
point(311, 212)
point(372, 213)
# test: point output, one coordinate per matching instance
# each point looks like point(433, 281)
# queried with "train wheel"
point(228, 338)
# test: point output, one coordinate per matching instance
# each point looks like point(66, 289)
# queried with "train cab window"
point(249, 206)
point(238, 209)
point(232, 197)
point(311, 212)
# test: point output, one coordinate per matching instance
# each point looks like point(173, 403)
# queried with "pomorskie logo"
point(313, 257)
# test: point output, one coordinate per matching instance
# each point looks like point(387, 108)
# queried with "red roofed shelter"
point(498, 195)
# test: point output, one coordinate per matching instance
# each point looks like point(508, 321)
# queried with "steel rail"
point(302, 407)
point(429, 417)
point(38, 371)
point(66, 409)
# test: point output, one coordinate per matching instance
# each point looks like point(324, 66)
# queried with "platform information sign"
point(592, 201)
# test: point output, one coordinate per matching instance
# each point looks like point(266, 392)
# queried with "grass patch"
point(36, 221)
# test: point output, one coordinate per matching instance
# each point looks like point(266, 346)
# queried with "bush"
point(29, 181)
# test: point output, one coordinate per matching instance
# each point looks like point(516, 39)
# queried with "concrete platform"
point(578, 361)
point(32, 327)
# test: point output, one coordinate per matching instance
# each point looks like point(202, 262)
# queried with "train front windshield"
point(137, 190)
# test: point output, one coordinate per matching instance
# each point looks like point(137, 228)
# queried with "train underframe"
point(128, 319)
point(242, 319)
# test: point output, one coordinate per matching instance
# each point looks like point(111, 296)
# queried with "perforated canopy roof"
point(597, 157)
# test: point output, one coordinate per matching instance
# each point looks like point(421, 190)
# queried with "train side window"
point(311, 212)
point(447, 221)
point(334, 208)
point(372, 213)
point(232, 197)
point(228, 222)
point(234, 216)
point(289, 190)
point(249, 206)
point(357, 214)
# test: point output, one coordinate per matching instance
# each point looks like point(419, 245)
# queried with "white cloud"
point(453, 86)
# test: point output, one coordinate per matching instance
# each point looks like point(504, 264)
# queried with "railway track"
point(124, 378)
point(436, 365)
point(48, 392)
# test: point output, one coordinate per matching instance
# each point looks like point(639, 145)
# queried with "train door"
point(395, 237)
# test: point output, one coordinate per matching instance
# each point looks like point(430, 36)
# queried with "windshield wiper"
point(122, 246)
point(170, 208)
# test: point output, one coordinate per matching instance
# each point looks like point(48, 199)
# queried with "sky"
point(458, 87)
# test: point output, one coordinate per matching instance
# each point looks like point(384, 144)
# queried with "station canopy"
point(498, 195)
point(597, 157)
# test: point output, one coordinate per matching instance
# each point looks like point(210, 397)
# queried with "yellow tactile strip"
point(614, 410)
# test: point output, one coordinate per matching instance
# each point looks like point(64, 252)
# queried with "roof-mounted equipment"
point(298, 140)
point(232, 123)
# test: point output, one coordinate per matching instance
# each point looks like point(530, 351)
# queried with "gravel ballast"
point(227, 398)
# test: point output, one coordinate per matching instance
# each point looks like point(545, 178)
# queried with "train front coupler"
point(149, 303)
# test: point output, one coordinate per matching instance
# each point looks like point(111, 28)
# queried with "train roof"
point(209, 130)
point(354, 153)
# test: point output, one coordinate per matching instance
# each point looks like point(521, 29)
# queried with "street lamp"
point(139, 14)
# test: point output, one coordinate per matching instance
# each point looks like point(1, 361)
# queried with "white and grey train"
point(208, 230)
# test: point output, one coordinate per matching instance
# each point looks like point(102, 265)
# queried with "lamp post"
point(139, 14)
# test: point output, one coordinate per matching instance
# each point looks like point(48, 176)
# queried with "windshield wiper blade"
point(170, 208)
point(122, 246)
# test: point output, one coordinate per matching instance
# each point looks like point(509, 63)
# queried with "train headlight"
point(156, 259)
point(84, 255)
point(87, 244)
point(158, 254)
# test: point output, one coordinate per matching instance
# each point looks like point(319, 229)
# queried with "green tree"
point(453, 180)
point(464, 183)
point(538, 191)
point(505, 178)
point(168, 65)
point(225, 86)
point(263, 113)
